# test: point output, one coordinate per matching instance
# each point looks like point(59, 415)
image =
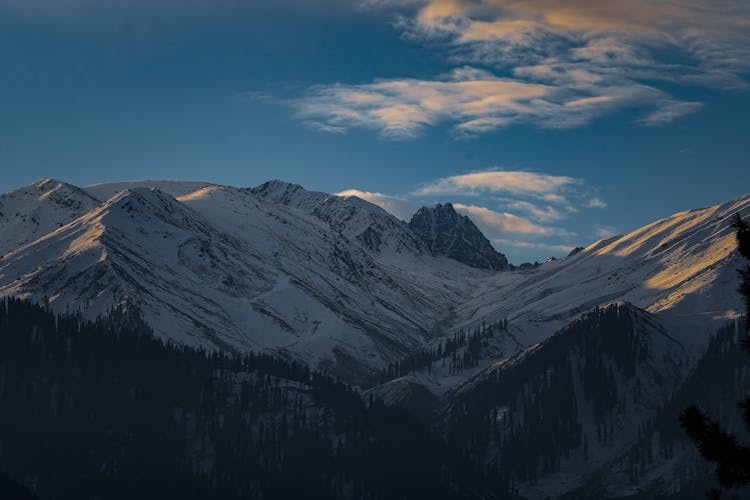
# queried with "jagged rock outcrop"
point(448, 233)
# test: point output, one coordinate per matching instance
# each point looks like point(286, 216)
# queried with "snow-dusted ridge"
point(681, 267)
point(29, 213)
point(337, 282)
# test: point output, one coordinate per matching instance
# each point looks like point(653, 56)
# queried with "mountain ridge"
point(446, 232)
point(342, 283)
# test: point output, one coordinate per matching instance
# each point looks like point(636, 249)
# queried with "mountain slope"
point(681, 268)
point(339, 282)
point(600, 377)
point(29, 213)
point(106, 190)
point(224, 267)
point(445, 232)
point(352, 217)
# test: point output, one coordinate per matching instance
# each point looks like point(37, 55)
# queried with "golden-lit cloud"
point(538, 197)
point(563, 63)
point(508, 181)
point(474, 101)
point(502, 221)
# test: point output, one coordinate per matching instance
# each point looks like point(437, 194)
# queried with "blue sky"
point(551, 123)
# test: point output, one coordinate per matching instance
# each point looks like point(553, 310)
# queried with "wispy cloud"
point(609, 37)
point(401, 208)
point(535, 210)
point(473, 101)
point(498, 181)
point(502, 221)
point(542, 197)
point(563, 64)
point(596, 203)
point(669, 112)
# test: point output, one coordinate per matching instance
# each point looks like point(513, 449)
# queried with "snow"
point(225, 267)
point(31, 212)
point(342, 285)
point(681, 267)
point(107, 190)
point(338, 281)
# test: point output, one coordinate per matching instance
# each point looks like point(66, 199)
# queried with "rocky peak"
point(448, 233)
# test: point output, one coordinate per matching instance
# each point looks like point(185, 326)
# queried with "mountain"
point(681, 268)
point(335, 283)
point(35, 210)
point(560, 411)
point(107, 190)
point(341, 284)
point(353, 218)
point(446, 232)
point(611, 340)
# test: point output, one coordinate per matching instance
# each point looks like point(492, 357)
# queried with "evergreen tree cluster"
point(524, 418)
point(102, 409)
point(719, 378)
point(715, 442)
point(461, 351)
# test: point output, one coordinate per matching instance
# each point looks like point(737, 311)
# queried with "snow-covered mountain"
point(35, 210)
point(681, 268)
point(448, 233)
point(338, 282)
point(603, 338)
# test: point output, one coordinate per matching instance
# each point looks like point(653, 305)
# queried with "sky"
point(551, 123)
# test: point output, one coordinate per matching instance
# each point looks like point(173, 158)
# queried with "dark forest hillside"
point(103, 410)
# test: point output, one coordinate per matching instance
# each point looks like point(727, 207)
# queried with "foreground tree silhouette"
point(717, 445)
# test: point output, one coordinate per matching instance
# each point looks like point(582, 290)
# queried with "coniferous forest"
point(103, 409)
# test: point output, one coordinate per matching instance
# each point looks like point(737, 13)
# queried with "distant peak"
point(441, 208)
point(448, 233)
point(105, 191)
point(48, 184)
point(276, 185)
point(448, 206)
point(44, 188)
point(45, 182)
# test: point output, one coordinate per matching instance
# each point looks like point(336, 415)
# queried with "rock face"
point(453, 235)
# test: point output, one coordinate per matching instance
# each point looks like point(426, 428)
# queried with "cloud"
point(394, 205)
point(670, 111)
point(505, 181)
point(525, 213)
point(540, 197)
point(537, 211)
point(474, 101)
point(609, 34)
point(502, 221)
point(596, 203)
point(550, 63)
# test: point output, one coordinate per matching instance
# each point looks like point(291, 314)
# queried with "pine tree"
point(717, 445)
